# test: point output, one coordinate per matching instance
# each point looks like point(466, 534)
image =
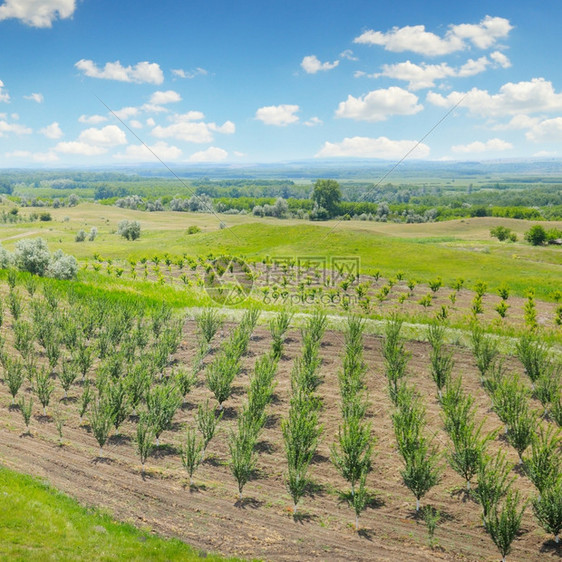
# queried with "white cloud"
point(500, 59)
point(135, 124)
point(92, 142)
point(126, 112)
point(278, 115)
point(189, 127)
point(150, 122)
point(212, 154)
point(536, 96)
point(313, 122)
point(92, 119)
point(180, 73)
point(484, 34)
point(140, 153)
point(348, 54)
point(15, 128)
point(77, 147)
point(35, 156)
point(545, 153)
point(110, 135)
point(549, 130)
point(37, 13)
point(311, 65)
point(52, 131)
point(227, 128)
point(492, 145)
point(4, 96)
point(472, 67)
point(517, 122)
point(418, 76)
point(35, 97)
point(424, 75)
point(142, 72)
point(378, 105)
point(161, 98)
point(416, 39)
point(365, 147)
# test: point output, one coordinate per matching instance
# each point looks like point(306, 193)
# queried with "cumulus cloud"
point(190, 127)
point(37, 13)
point(35, 156)
point(416, 39)
point(473, 67)
point(278, 115)
point(16, 128)
point(348, 54)
point(366, 147)
point(161, 98)
point(126, 112)
point(378, 105)
point(77, 147)
point(535, 96)
point(311, 65)
point(110, 135)
point(4, 96)
point(211, 154)
point(35, 97)
point(140, 73)
point(92, 119)
point(52, 131)
point(492, 145)
point(500, 59)
point(549, 130)
point(418, 76)
point(92, 142)
point(313, 122)
point(140, 153)
point(135, 123)
point(180, 73)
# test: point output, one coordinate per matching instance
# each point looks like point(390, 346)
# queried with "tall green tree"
point(327, 194)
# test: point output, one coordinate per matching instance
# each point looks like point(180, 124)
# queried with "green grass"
point(450, 249)
point(39, 523)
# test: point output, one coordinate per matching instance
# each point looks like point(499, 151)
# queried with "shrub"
point(131, 230)
point(32, 256)
point(192, 453)
point(493, 482)
point(503, 526)
point(93, 233)
point(62, 266)
point(80, 236)
point(548, 510)
point(501, 233)
point(193, 229)
point(536, 235)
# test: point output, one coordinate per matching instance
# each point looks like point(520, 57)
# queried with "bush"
point(130, 230)
point(62, 266)
point(45, 217)
point(93, 234)
point(536, 235)
point(193, 229)
point(502, 233)
point(32, 256)
point(80, 236)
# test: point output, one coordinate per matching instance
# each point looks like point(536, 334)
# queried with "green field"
point(39, 523)
point(452, 249)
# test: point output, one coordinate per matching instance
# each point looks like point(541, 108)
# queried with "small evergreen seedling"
point(432, 517)
point(493, 482)
point(26, 410)
point(207, 422)
point(43, 388)
point(504, 525)
point(144, 439)
point(548, 510)
point(192, 453)
point(100, 422)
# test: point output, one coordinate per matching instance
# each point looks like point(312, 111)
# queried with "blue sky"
point(271, 81)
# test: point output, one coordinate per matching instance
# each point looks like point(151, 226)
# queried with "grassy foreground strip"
point(39, 523)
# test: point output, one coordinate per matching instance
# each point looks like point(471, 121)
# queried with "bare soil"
point(208, 515)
